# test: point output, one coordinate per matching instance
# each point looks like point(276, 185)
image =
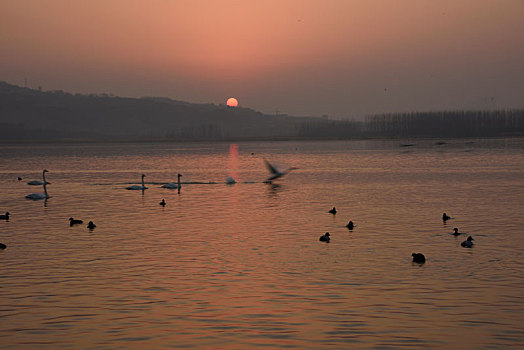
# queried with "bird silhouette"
point(275, 173)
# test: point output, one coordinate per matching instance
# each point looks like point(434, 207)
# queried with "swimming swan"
point(37, 182)
point(4, 217)
point(138, 187)
point(38, 196)
point(173, 185)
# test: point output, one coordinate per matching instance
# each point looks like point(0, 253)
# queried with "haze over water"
point(241, 266)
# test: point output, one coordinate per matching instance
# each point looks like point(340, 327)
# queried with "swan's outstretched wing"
point(271, 168)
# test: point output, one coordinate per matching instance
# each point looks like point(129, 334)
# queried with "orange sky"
point(345, 58)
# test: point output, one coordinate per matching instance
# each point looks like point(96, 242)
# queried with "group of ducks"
point(417, 257)
point(73, 222)
point(326, 236)
point(468, 243)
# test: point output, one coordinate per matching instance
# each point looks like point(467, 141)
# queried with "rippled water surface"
point(241, 266)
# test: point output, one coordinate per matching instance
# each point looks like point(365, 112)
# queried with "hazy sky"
point(344, 58)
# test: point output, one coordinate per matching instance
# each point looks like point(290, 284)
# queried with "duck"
point(350, 225)
point(445, 217)
point(467, 243)
point(2, 246)
point(19, 178)
point(418, 258)
point(75, 222)
point(456, 232)
point(324, 237)
point(91, 225)
point(162, 202)
point(4, 216)
point(333, 211)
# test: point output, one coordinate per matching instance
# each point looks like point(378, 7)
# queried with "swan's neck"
point(45, 190)
point(143, 184)
point(178, 181)
point(43, 176)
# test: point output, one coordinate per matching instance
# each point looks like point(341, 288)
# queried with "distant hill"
point(28, 114)
point(49, 115)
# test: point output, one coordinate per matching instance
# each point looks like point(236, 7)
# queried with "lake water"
point(241, 266)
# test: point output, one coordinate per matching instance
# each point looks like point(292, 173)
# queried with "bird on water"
point(138, 187)
point(91, 225)
point(4, 216)
point(418, 258)
point(38, 182)
point(37, 196)
point(324, 237)
point(333, 211)
point(445, 217)
point(162, 202)
point(173, 185)
point(468, 243)
point(75, 222)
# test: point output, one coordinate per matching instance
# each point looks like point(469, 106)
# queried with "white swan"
point(173, 185)
point(38, 182)
point(275, 172)
point(38, 196)
point(138, 187)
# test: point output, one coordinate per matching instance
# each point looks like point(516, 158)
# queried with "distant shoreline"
point(259, 139)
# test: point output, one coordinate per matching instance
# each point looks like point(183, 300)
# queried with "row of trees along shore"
point(494, 123)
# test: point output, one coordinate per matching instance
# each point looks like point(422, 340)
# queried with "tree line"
point(421, 124)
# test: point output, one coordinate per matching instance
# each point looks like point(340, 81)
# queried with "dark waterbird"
point(324, 237)
point(75, 222)
point(333, 211)
point(350, 225)
point(19, 178)
point(418, 258)
point(445, 217)
point(4, 216)
point(456, 232)
point(162, 202)
point(91, 225)
point(468, 243)
point(2, 246)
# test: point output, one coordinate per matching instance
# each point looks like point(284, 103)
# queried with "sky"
point(341, 58)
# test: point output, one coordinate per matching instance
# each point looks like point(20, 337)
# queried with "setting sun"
point(232, 102)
